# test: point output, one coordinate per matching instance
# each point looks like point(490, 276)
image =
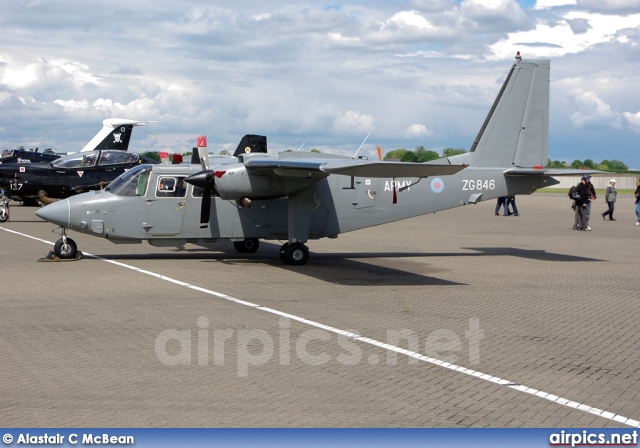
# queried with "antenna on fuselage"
point(361, 145)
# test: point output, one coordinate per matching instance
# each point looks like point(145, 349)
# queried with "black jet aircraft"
point(23, 174)
point(68, 175)
point(115, 134)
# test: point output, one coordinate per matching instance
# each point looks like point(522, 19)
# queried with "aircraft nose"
point(56, 213)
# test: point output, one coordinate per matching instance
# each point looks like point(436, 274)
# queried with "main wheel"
point(65, 251)
point(4, 216)
point(283, 253)
point(247, 246)
point(295, 254)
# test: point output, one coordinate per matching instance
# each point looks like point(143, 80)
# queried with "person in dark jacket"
point(610, 197)
point(592, 191)
point(499, 203)
point(581, 204)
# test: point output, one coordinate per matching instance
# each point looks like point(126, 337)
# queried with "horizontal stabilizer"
point(355, 167)
point(549, 172)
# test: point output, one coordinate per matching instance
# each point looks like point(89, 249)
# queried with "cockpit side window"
point(117, 157)
point(78, 160)
point(171, 187)
point(132, 183)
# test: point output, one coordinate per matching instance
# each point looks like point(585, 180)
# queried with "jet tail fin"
point(115, 134)
point(516, 130)
point(251, 143)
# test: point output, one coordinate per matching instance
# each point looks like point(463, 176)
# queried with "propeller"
point(203, 180)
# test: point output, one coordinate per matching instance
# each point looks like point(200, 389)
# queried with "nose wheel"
point(295, 254)
point(65, 248)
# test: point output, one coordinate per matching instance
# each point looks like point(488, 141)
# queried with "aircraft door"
point(166, 205)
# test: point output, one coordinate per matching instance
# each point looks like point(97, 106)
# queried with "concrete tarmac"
point(508, 322)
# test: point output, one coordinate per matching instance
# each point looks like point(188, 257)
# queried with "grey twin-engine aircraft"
point(297, 196)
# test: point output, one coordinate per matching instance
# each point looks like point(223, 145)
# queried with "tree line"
point(588, 164)
point(420, 154)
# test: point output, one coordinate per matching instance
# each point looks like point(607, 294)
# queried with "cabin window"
point(171, 187)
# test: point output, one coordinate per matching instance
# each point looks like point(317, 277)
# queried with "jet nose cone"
point(56, 212)
point(201, 179)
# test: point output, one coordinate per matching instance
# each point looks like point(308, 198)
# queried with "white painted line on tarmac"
point(483, 376)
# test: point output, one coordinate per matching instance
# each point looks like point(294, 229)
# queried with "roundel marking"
point(437, 185)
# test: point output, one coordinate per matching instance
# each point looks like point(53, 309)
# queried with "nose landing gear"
point(65, 248)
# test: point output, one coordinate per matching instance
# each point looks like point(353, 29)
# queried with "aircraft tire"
point(4, 216)
point(283, 252)
point(65, 252)
point(248, 246)
point(296, 254)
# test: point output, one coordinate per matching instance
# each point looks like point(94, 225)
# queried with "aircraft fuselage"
point(172, 216)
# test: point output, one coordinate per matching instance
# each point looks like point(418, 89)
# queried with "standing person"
point(592, 192)
point(510, 200)
point(638, 204)
point(499, 204)
point(610, 197)
point(581, 203)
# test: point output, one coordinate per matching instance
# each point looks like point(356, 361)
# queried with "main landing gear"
point(4, 209)
point(247, 246)
point(294, 254)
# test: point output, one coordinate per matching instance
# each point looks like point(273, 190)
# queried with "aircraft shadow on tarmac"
point(345, 269)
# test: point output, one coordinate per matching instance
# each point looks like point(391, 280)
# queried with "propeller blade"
point(379, 153)
point(205, 209)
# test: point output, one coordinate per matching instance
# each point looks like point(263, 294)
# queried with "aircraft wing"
point(549, 172)
point(353, 167)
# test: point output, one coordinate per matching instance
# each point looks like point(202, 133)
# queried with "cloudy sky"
point(414, 72)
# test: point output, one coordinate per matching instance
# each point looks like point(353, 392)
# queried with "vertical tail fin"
point(251, 143)
point(115, 134)
point(516, 130)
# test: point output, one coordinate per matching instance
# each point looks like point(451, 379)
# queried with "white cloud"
point(544, 4)
point(633, 120)
point(353, 122)
point(558, 39)
point(410, 19)
point(72, 105)
point(593, 112)
point(417, 130)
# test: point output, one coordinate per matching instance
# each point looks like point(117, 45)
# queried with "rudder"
point(516, 130)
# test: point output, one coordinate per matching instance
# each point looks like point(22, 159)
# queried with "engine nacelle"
point(235, 181)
